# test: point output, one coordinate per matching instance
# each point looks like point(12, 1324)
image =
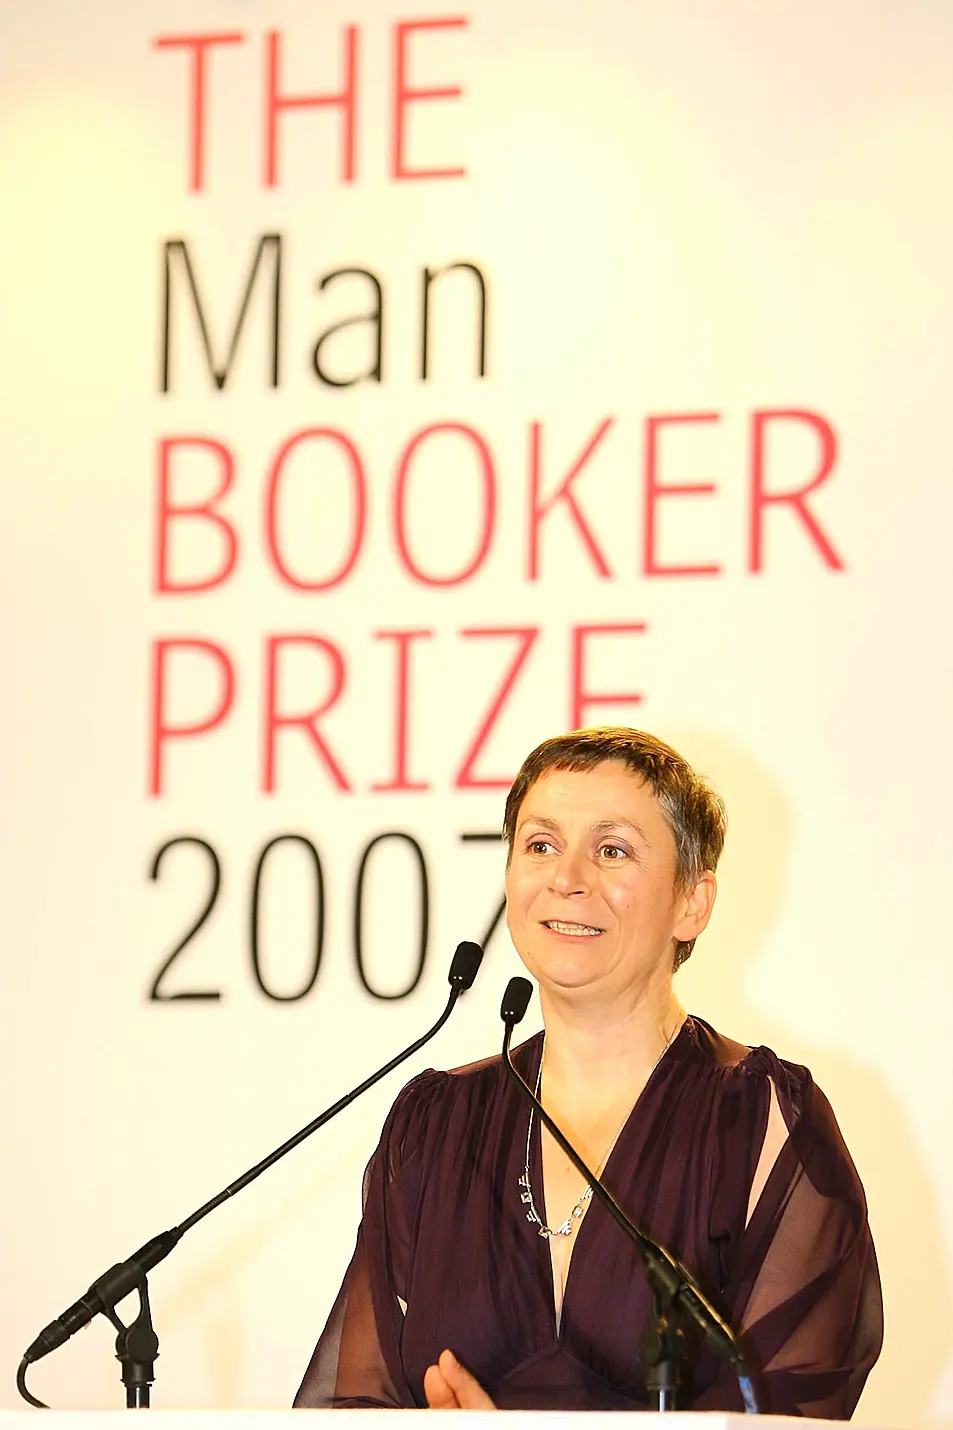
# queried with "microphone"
point(126, 1276)
point(670, 1282)
point(516, 998)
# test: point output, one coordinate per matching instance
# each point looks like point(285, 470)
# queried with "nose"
point(569, 874)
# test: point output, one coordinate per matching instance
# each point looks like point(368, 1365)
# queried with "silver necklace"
point(565, 1228)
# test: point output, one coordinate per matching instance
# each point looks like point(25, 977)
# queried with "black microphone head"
point(465, 966)
point(516, 1000)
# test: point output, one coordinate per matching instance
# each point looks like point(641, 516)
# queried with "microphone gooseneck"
point(670, 1282)
point(109, 1289)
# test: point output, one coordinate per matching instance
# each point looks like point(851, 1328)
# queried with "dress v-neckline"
point(558, 1321)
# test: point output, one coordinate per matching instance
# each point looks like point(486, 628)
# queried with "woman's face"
point(590, 890)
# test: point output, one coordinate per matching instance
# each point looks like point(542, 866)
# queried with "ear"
point(693, 908)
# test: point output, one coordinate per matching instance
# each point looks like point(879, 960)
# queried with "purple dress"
point(446, 1257)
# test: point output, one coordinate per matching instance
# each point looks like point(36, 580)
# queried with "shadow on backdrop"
point(905, 1215)
point(207, 1296)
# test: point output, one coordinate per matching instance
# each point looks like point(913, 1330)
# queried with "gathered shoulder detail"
point(434, 1095)
point(405, 1130)
point(746, 1071)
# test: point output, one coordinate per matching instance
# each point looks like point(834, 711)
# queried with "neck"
point(591, 1044)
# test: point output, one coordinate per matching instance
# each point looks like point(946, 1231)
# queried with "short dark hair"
point(693, 811)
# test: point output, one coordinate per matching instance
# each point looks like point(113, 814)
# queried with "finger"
point(468, 1391)
point(438, 1392)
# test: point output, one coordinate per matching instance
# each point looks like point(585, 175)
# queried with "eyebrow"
point(602, 826)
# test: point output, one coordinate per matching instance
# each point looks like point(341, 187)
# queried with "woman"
point(484, 1274)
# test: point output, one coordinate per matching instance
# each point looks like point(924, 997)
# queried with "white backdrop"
point(734, 216)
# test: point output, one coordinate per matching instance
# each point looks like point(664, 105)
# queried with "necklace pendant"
point(544, 1232)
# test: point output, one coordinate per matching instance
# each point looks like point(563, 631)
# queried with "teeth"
point(582, 930)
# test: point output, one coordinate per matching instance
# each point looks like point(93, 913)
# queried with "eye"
point(613, 853)
point(539, 846)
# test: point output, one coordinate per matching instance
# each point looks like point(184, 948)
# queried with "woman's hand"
point(449, 1386)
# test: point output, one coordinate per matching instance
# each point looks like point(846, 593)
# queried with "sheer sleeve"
point(802, 1282)
point(356, 1362)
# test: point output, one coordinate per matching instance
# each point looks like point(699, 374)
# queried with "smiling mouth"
point(574, 930)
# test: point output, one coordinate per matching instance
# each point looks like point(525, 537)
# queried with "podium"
point(295, 1419)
